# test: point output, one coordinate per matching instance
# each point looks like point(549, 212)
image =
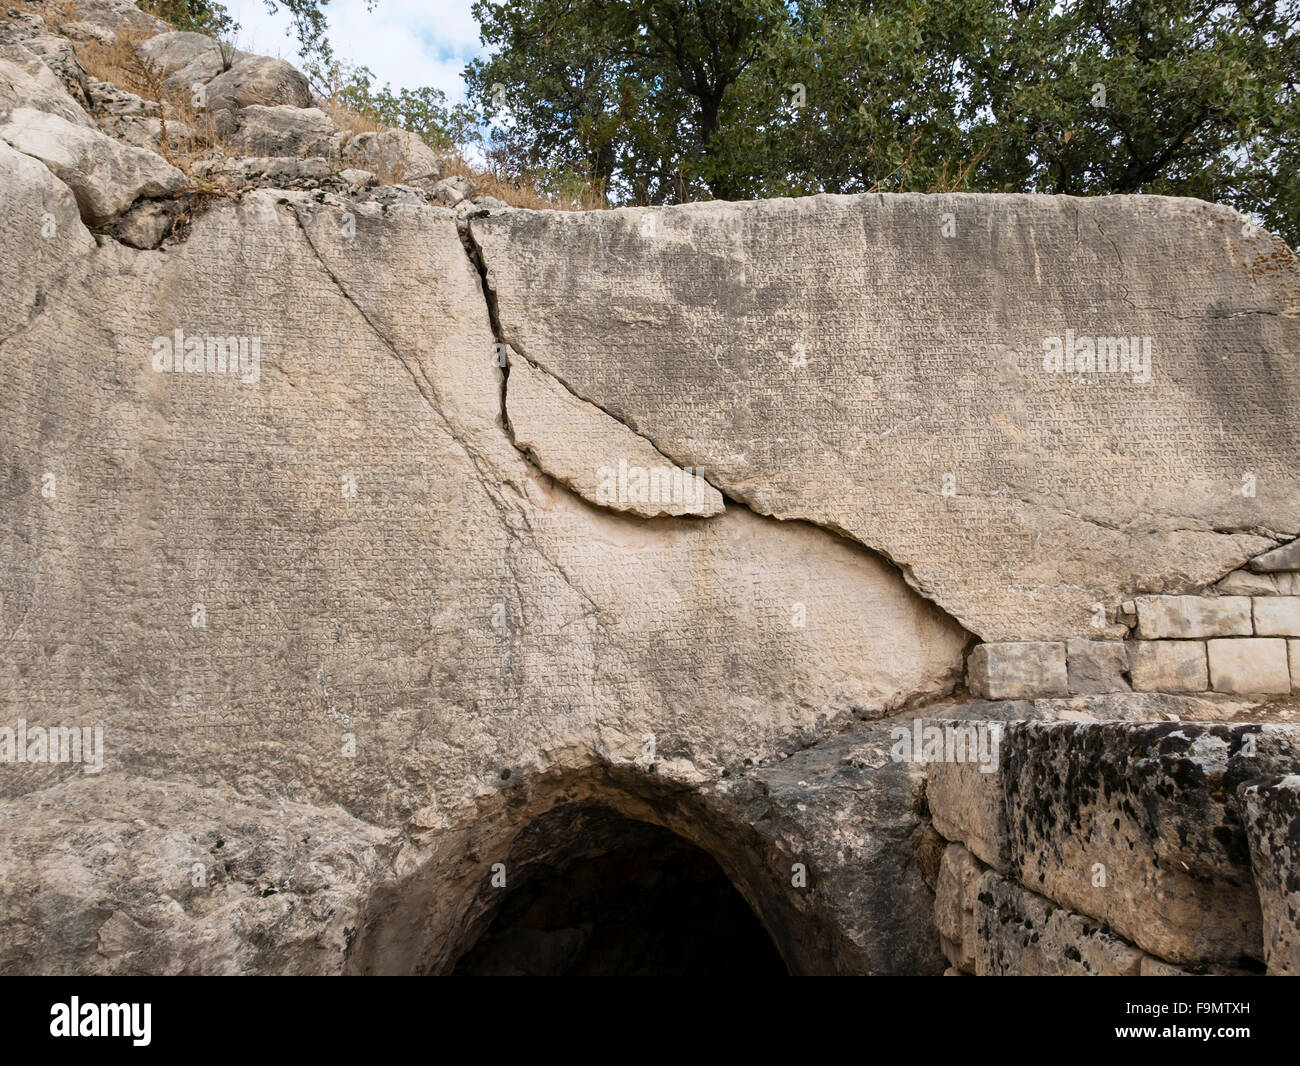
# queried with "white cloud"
point(407, 43)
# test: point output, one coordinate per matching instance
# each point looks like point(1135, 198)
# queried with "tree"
point(669, 100)
point(307, 22)
point(424, 111)
point(632, 95)
point(193, 16)
point(1181, 97)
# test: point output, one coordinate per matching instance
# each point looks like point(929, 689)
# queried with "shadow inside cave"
point(590, 892)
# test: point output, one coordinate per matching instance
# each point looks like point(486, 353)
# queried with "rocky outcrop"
point(26, 82)
point(105, 177)
point(1271, 813)
point(886, 366)
point(365, 530)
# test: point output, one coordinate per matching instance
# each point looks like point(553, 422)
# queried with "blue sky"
point(408, 43)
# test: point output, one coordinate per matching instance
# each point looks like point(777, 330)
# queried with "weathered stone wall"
point(1121, 849)
point(1220, 640)
point(684, 513)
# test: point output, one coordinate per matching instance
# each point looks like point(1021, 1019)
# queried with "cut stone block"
point(1271, 812)
point(1246, 583)
point(1286, 557)
point(1190, 617)
point(1278, 616)
point(1250, 664)
point(1097, 666)
point(967, 806)
point(1169, 666)
point(954, 905)
point(1019, 933)
point(1015, 671)
point(1137, 825)
point(1293, 656)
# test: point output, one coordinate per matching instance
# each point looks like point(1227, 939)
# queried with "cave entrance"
point(590, 892)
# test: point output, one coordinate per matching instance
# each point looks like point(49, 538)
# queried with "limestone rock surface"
point(838, 359)
point(105, 176)
point(596, 456)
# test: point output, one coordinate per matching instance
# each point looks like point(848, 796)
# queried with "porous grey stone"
point(110, 101)
point(1153, 967)
point(398, 195)
point(1019, 932)
point(18, 26)
point(1271, 812)
point(1136, 825)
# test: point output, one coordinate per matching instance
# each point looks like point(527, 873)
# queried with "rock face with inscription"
point(372, 548)
point(895, 368)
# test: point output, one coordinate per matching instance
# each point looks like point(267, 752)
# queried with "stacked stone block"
point(1122, 849)
point(1242, 637)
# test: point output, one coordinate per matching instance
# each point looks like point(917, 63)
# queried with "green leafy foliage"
point(193, 16)
point(659, 101)
point(423, 111)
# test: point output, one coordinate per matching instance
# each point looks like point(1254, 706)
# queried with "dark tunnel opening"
point(592, 893)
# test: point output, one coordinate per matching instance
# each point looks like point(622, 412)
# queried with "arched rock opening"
point(583, 831)
point(593, 893)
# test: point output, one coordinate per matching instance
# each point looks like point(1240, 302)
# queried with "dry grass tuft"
point(522, 190)
point(193, 134)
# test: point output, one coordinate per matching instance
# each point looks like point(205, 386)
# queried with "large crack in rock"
point(840, 360)
point(364, 621)
point(597, 457)
point(340, 582)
